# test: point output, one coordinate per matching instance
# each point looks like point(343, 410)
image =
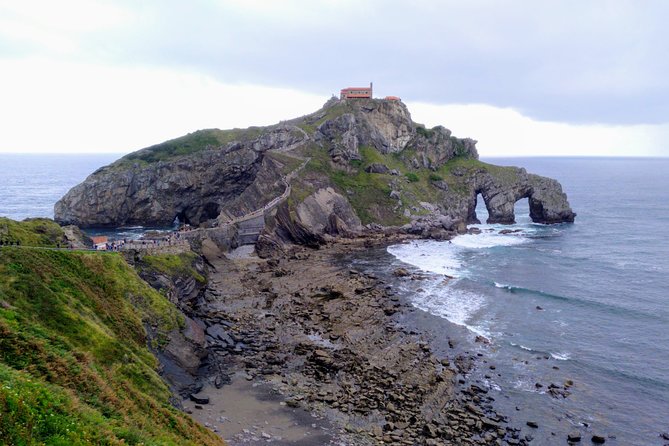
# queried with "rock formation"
point(193, 188)
point(355, 162)
point(548, 204)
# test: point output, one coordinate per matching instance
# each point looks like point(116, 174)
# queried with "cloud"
point(541, 77)
point(506, 132)
point(561, 61)
point(71, 107)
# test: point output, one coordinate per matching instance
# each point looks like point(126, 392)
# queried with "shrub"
point(412, 177)
point(427, 133)
point(435, 177)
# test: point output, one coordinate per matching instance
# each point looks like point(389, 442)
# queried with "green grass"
point(422, 130)
point(369, 194)
point(175, 265)
point(412, 177)
point(31, 232)
point(188, 144)
point(74, 364)
point(330, 113)
point(288, 162)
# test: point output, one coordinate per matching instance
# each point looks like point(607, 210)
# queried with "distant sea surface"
point(31, 184)
point(586, 302)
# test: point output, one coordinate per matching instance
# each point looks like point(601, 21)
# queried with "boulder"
point(315, 211)
point(198, 398)
point(598, 439)
point(377, 168)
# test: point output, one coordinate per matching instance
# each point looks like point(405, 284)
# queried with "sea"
point(584, 305)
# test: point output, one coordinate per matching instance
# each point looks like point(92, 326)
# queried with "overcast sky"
point(521, 77)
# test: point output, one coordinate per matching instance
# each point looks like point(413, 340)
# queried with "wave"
point(430, 256)
point(560, 356)
point(444, 257)
point(614, 309)
point(457, 306)
point(488, 240)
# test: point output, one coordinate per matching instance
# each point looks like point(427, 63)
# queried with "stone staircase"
point(249, 230)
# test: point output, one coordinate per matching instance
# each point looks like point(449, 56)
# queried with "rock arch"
point(547, 203)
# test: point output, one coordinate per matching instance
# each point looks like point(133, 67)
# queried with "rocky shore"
point(321, 343)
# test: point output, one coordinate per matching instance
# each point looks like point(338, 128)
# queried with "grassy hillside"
point(189, 144)
point(31, 232)
point(369, 193)
point(74, 366)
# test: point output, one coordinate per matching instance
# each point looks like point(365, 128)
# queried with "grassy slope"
point(74, 366)
point(31, 232)
point(188, 144)
point(369, 193)
point(174, 265)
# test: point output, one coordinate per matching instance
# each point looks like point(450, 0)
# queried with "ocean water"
point(587, 302)
point(31, 184)
point(602, 286)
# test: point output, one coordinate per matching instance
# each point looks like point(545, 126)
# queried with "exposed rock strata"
point(212, 185)
point(194, 188)
point(327, 209)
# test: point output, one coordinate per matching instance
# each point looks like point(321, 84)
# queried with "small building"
point(392, 98)
point(100, 242)
point(356, 92)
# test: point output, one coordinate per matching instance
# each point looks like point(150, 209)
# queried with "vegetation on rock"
point(174, 265)
point(188, 144)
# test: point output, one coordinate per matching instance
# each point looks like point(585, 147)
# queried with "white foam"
point(502, 285)
point(429, 255)
point(561, 356)
point(488, 240)
point(524, 385)
point(457, 306)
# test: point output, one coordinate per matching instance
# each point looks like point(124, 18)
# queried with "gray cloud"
point(568, 61)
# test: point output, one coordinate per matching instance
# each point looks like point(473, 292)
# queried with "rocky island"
point(293, 346)
point(353, 163)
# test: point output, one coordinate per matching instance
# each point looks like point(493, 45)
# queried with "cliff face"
point(352, 163)
point(193, 188)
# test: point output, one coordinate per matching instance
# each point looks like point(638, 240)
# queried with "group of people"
point(171, 239)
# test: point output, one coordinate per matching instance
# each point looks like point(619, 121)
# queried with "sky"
point(523, 78)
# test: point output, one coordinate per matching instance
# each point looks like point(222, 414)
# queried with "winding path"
point(182, 244)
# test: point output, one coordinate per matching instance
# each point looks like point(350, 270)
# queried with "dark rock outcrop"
point(292, 231)
point(387, 127)
point(377, 168)
point(194, 188)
